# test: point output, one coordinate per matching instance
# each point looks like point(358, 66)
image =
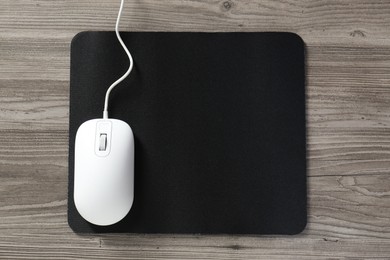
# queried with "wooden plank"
point(338, 143)
point(357, 18)
point(34, 199)
point(349, 154)
point(191, 247)
point(34, 105)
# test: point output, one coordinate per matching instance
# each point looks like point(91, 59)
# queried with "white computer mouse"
point(104, 171)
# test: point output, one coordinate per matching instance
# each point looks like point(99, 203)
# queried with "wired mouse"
point(104, 162)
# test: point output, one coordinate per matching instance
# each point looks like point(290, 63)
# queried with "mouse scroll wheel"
point(103, 142)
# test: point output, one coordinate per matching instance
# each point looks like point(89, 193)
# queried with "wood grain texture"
point(348, 113)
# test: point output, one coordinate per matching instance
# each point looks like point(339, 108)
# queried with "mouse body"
point(104, 171)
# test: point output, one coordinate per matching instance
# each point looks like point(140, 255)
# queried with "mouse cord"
point(113, 85)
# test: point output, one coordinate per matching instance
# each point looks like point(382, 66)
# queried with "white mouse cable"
point(113, 85)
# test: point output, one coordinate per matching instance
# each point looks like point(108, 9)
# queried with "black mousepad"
point(219, 126)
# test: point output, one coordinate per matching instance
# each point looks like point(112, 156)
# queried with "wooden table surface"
point(348, 100)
